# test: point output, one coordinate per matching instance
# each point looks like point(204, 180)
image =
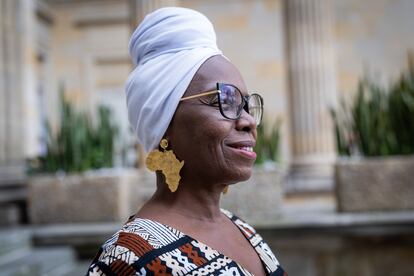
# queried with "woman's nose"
point(246, 122)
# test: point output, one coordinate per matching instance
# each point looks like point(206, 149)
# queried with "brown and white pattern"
point(146, 247)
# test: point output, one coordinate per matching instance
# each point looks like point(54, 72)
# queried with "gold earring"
point(166, 162)
point(225, 190)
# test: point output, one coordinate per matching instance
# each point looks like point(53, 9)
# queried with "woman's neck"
point(191, 200)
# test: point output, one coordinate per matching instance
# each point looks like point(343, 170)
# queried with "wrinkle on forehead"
point(213, 70)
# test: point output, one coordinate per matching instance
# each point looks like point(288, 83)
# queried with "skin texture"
point(205, 140)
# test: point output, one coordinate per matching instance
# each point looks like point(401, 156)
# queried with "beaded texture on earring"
point(166, 162)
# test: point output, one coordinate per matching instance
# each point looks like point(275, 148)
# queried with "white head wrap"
point(167, 48)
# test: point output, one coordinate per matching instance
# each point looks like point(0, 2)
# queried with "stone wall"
point(372, 37)
point(375, 184)
point(96, 196)
point(251, 34)
point(90, 54)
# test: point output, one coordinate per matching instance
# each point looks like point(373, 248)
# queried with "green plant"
point(401, 103)
point(79, 144)
point(267, 143)
point(342, 129)
point(379, 122)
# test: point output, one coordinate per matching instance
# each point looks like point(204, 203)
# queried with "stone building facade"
point(301, 55)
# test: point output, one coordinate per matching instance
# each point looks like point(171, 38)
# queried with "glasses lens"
point(230, 100)
point(256, 107)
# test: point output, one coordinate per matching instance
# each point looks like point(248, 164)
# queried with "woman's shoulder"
point(144, 233)
point(262, 248)
point(132, 246)
point(246, 228)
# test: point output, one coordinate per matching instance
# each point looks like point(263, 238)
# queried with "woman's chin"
point(242, 174)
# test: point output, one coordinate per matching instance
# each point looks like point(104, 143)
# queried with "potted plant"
point(72, 181)
point(259, 199)
point(375, 141)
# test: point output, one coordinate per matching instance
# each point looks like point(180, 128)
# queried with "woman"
point(189, 106)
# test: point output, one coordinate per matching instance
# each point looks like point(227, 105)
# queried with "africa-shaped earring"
point(166, 162)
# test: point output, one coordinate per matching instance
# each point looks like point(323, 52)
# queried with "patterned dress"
point(146, 247)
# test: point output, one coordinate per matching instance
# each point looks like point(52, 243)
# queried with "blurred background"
point(332, 191)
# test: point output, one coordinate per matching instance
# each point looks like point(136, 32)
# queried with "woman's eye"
point(214, 101)
point(211, 101)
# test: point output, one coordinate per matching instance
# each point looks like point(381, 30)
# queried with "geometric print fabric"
point(146, 247)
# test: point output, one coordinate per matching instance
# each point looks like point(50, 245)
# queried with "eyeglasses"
point(231, 102)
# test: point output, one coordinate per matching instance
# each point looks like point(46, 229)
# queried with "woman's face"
point(214, 149)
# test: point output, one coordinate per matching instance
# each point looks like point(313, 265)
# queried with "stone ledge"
point(74, 234)
point(337, 224)
point(361, 224)
point(12, 175)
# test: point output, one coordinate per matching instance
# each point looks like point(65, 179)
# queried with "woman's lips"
point(246, 151)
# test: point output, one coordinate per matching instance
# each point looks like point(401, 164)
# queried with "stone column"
point(312, 91)
point(140, 8)
point(17, 89)
point(11, 77)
